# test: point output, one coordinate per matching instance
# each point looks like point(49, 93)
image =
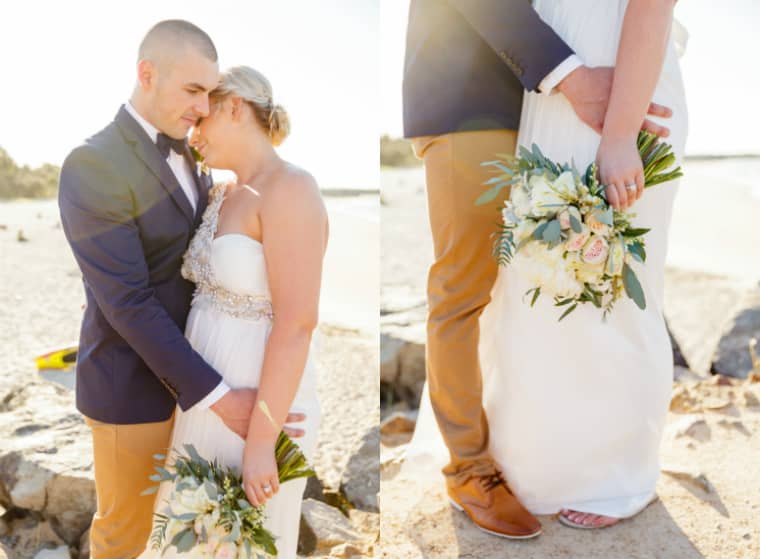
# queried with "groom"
point(130, 200)
point(467, 64)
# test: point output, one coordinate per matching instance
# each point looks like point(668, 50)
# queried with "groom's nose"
point(202, 107)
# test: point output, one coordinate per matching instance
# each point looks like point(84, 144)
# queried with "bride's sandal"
point(565, 519)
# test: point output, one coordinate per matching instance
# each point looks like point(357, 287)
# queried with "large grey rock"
point(403, 363)
point(29, 535)
point(360, 482)
point(325, 526)
point(46, 460)
point(732, 356)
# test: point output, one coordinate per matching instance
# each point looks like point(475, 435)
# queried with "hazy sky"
point(720, 70)
point(67, 66)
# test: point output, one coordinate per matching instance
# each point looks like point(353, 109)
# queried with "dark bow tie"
point(166, 143)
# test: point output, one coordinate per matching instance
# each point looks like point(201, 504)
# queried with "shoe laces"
point(492, 481)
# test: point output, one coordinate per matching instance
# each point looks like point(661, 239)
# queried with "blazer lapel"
point(147, 151)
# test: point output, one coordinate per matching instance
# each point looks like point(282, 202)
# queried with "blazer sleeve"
point(512, 28)
point(97, 215)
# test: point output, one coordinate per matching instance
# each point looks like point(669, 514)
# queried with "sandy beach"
point(713, 243)
point(711, 263)
point(41, 296)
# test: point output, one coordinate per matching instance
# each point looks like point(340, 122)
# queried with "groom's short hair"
point(175, 33)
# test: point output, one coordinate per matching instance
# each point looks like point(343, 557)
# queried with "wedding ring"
point(266, 488)
point(631, 187)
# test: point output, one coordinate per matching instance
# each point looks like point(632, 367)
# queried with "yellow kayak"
point(61, 358)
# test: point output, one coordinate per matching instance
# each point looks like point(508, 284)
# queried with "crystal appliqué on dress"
point(196, 267)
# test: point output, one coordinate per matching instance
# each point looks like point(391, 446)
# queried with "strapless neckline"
point(242, 235)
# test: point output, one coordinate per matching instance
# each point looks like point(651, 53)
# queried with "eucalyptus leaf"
point(633, 287)
point(538, 232)
point(211, 490)
point(184, 540)
point(194, 456)
point(575, 223)
point(551, 233)
point(638, 251)
point(149, 491)
point(603, 216)
point(489, 195)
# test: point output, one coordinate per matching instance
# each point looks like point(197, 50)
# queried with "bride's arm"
point(294, 225)
point(643, 41)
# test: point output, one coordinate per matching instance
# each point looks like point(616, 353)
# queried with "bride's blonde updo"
point(253, 87)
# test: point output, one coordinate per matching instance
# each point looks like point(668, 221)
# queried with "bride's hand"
point(260, 479)
point(619, 167)
point(235, 408)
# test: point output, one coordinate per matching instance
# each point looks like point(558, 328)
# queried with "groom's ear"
point(146, 74)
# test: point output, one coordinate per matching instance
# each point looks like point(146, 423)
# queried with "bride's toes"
point(607, 521)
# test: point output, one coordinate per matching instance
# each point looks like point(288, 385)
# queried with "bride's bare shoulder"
point(294, 189)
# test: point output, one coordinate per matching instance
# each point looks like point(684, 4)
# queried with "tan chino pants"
point(459, 285)
point(123, 461)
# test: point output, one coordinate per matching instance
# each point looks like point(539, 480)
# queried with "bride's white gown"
point(229, 324)
point(576, 408)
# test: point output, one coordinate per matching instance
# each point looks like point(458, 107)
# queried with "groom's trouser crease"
point(123, 456)
point(459, 286)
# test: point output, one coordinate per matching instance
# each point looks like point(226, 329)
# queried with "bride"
point(256, 261)
point(576, 408)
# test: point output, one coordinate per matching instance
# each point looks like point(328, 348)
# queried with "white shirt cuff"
point(551, 81)
point(212, 397)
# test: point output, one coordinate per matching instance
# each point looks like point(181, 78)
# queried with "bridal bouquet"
point(570, 243)
point(207, 513)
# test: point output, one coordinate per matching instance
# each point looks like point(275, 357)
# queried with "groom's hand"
point(235, 408)
point(588, 90)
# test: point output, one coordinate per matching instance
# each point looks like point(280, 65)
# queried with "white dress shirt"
point(552, 79)
point(184, 174)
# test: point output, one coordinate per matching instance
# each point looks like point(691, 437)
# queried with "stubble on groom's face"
point(179, 91)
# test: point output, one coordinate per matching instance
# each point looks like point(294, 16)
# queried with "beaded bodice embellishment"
point(196, 267)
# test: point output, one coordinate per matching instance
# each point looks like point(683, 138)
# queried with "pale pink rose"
point(564, 219)
point(227, 550)
point(595, 250)
point(595, 225)
point(577, 240)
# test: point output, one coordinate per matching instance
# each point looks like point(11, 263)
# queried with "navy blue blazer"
point(469, 61)
point(128, 223)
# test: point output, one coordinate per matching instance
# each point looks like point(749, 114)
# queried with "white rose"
point(191, 500)
point(565, 184)
point(523, 230)
point(549, 270)
point(589, 273)
point(545, 199)
point(520, 200)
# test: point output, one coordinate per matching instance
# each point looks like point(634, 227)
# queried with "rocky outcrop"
point(360, 482)
point(46, 463)
point(47, 490)
point(734, 354)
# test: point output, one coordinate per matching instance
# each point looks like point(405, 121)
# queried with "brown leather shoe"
point(491, 506)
